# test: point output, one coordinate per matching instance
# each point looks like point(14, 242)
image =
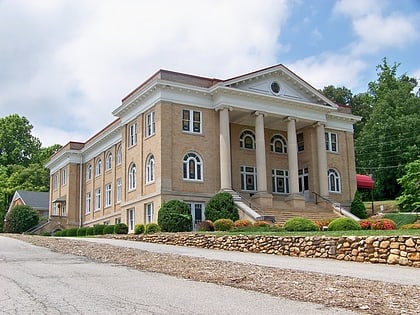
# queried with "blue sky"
point(66, 64)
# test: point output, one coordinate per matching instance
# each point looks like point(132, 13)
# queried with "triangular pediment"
point(278, 81)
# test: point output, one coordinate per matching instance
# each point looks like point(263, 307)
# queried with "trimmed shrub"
point(413, 226)
point(175, 216)
point(357, 207)
point(322, 223)
point(242, 223)
point(261, 224)
point(98, 229)
point(20, 219)
point(81, 231)
point(120, 228)
point(139, 229)
point(109, 229)
point(152, 228)
point(383, 224)
point(221, 206)
point(205, 225)
point(46, 234)
point(58, 233)
point(365, 224)
point(300, 224)
point(223, 225)
point(71, 232)
point(343, 224)
point(90, 230)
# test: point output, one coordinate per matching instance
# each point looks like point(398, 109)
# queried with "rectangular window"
point(108, 195)
point(119, 190)
point(63, 177)
point(149, 212)
point(303, 179)
point(300, 142)
point(150, 124)
point(117, 220)
point(280, 181)
point(97, 198)
point(331, 142)
point(55, 182)
point(88, 200)
point(248, 178)
point(197, 212)
point(130, 219)
point(63, 210)
point(191, 121)
point(132, 135)
point(54, 209)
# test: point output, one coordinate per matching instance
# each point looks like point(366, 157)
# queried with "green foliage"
point(46, 234)
point(175, 216)
point(109, 229)
point(20, 219)
point(152, 228)
point(413, 226)
point(300, 224)
point(71, 232)
point(98, 229)
point(90, 231)
point(120, 228)
point(81, 231)
point(205, 226)
point(223, 225)
point(221, 206)
point(139, 229)
point(401, 219)
point(357, 207)
point(343, 224)
point(58, 233)
point(409, 200)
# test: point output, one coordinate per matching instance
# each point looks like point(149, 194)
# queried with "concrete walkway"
point(380, 272)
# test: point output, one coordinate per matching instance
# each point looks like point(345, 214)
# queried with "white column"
point(225, 157)
point(292, 154)
point(260, 153)
point(322, 159)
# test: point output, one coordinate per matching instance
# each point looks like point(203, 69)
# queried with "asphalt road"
point(34, 280)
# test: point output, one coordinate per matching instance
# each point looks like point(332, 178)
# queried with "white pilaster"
point(260, 153)
point(292, 154)
point(225, 157)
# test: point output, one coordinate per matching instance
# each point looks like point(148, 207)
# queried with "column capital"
point(318, 124)
point(289, 118)
point(260, 113)
point(222, 107)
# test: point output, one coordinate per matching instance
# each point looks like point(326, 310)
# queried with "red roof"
point(364, 181)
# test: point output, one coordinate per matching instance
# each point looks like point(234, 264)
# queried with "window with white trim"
point(63, 210)
point(280, 181)
point(97, 198)
point(88, 172)
point(119, 155)
point(108, 195)
point(98, 167)
point(300, 142)
point(192, 167)
point(149, 212)
point(191, 120)
point(150, 169)
point(63, 177)
point(55, 181)
point(130, 219)
point(150, 124)
point(88, 200)
point(303, 178)
point(334, 181)
point(132, 177)
point(132, 135)
point(278, 144)
point(54, 209)
point(248, 178)
point(108, 161)
point(331, 142)
point(197, 212)
point(119, 190)
point(247, 140)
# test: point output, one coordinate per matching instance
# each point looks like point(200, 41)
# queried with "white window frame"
point(131, 218)
point(190, 122)
point(119, 155)
point(98, 167)
point(108, 195)
point(55, 181)
point(150, 169)
point(88, 172)
point(63, 210)
point(88, 202)
point(132, 177)
point(334, 181)
point(283, 176)
point(150, 124)
point(63, 177)
point(149, 212)
point(108, 161)
point(243, 140)
point(119, 190)
point(197, 173)
point(194, 206)
point(97, 199)
point(281, 139)
point(132, 135)
point(247, 171)
point(54, 209)
point(331, 142)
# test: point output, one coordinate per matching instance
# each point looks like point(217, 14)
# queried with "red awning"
point(364, 181)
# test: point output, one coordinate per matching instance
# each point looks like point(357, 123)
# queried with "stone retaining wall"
point(402, 250)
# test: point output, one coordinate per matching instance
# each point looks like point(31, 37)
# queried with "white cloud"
point(358, 8)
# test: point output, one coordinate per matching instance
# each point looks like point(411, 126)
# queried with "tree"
point(221, 206)
point(410, 182)
point(390, 138)
point(340, 95)
point(20, 219)
point(357, 207)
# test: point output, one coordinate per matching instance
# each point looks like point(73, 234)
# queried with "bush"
point(383, 224)
point(109, 229)
point(98, 229)
point(71, 232)
point(343, 224)
point(205, 225)
point(365, 224)
point(120, 228)
point(58, 233)
point(139, 229)
point(81, 231)
point(322, 223)
point(262, 224)
point(46, 234)
point(300, 224)
point(357, 207)
point(90, 230)
point(221, 206)
point(152, 228)
point(242, 223)
point(413, 226)
point(20, 219)
point(223, 225)
point(175, 216)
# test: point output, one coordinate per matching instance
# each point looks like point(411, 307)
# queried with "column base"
point(296, 201)
point(263, 199)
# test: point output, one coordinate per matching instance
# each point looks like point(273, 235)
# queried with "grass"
point(402, 218)
point(389, 206)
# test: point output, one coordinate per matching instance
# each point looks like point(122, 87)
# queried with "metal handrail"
point(249, 203)
point(335, 204)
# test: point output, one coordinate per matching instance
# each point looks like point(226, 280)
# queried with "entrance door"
point(304, 183)
point(197, 212)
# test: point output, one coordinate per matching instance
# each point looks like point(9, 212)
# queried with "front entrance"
point(197, 212)
point(304, 183)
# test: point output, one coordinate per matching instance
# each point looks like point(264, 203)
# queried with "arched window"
point(132, 177)
point(247, 140)
point(278, 144)
point(192, 167)
point(334, 181)
point(89, 172)
point(119, 155)
point(150, 169)
point(98, 167)
point(108, 161)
